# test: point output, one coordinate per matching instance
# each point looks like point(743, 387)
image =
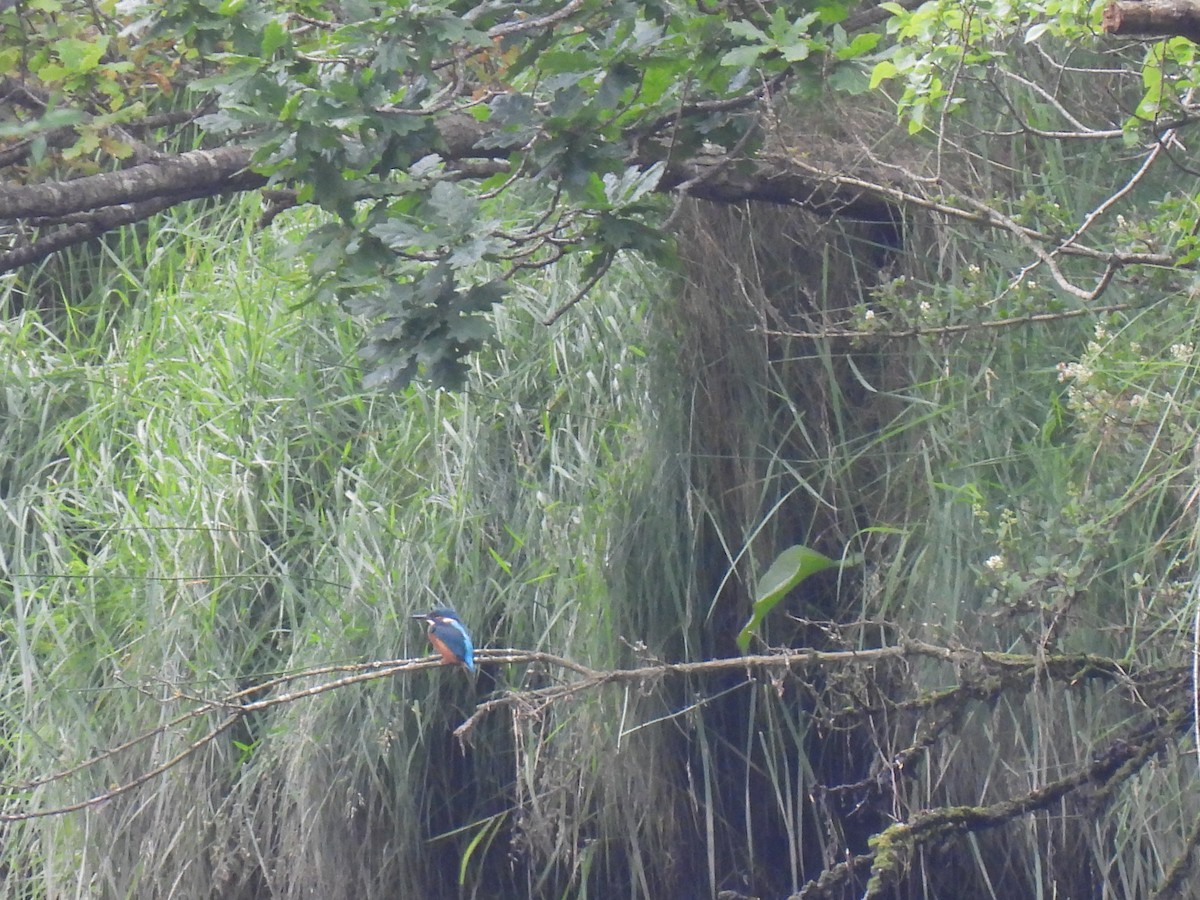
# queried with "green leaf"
point(55, 118)
point(791, 567)
point(453, 207)
point(832, 13)
point(884, 69)
point(742, 56)
point(619, 79)
point(848, 79)
point(860, 46)
point(9, 57)
point(556, 62)
point(80, 56)
point(274, 37)
point(633, 184)
point(747, 31)
point(1036, 31)
point(398, 234)
point(799, 51)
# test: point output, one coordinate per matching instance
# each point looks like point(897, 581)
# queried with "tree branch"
point(119, 198)
point(1124, 756)
point(1153, 18)
point(890, 334)
point(193, 174)
point(982, 677)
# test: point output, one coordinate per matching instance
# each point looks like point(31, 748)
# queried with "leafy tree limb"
point(444, 136)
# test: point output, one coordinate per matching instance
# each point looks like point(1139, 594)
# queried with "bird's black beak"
point(422, 616)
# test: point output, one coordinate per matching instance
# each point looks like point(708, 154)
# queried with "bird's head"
point(438, 612)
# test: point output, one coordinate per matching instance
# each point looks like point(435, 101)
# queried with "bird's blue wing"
point(454, 633)
point(468, 654)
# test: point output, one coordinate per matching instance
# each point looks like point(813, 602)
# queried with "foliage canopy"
point(458, 145)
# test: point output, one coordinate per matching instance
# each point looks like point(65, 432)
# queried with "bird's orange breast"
point(448, 655)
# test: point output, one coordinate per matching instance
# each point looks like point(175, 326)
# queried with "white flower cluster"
point(1074, 371)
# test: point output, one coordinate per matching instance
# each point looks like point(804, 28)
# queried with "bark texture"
point(1153, 18)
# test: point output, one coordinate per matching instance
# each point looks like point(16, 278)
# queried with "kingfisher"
point(449, 637)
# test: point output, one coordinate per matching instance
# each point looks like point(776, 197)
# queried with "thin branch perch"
point(1012, 670)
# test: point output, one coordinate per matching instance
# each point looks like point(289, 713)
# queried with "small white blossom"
point(995, 562)
point(1182, 352)
point(925, 306)
point(869, 315)
point(1074, 371)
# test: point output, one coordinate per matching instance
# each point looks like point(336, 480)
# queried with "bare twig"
point(148, 775)
point(604, 265)
point(940, 330)
point(979, 214)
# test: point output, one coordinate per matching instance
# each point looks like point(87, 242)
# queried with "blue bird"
point(449, 637)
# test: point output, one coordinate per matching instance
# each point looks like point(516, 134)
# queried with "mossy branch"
point(1124, 756)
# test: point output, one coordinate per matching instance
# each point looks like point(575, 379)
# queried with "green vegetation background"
point(197, 494)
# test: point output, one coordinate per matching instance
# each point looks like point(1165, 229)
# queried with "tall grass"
point(197, 495)
point(202, 496)
point(1027, 492)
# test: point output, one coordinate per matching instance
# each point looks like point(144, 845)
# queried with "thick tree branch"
point(1153, 18)
point(93, 225)
point(193, 174)
point(777, 181)
point(189, 175)
point(114, 199)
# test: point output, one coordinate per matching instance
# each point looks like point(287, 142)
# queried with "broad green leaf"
point(848, 79)
point(799, 51)
point(747, 31)
point(274, 37)
point(832, 13)
point(883, 70)
point(9, 57)
point(455, 209)
point(80, 56)
point(743, 56)
point(791, 567)
point(1036, 31)
point(860, 46)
